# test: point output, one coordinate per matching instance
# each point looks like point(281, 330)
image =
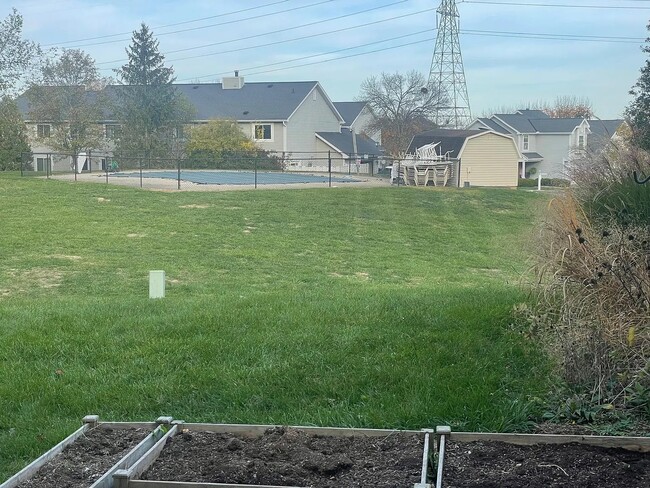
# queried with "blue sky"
point(502, 68)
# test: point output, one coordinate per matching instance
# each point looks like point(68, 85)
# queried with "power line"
point(286, 29)
point(541, 36)
point(167, 25)
point(316, 55)
point(219, 23)
point(257, 46)
point(560, 5)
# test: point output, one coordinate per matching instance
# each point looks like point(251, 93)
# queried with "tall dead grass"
point(593, 307)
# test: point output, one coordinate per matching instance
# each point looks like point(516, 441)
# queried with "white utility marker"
point(157, 284)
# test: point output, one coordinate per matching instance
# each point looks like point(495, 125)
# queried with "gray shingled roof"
point(252, 102)
point(548, 125)
point(533, 114)
point(601, 133)
point(349, 110)
point(451, 140)
point(520, 123)
point(495, 126)
point(532, 155)
point(342, 141)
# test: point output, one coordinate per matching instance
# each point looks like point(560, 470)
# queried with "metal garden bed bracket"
point(442, 433)
point(122, 477)
point(426, 455)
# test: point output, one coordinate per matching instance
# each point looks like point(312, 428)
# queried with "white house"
point(547, 145)
point(281, 117)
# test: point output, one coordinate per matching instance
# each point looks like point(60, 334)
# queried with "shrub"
point(593, 307)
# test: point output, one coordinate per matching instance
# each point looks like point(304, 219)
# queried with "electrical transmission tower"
point(447, 75)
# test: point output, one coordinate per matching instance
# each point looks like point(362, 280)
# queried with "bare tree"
point(564, 107)
point(567, 107)
point(69, 96)
point(401, 105)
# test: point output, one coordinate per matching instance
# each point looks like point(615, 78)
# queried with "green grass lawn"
point(385, 307)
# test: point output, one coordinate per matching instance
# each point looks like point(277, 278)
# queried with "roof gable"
point(350, 111)
point(451, 140)
point(342, 142)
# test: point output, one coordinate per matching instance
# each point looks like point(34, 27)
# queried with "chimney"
point(232, 82)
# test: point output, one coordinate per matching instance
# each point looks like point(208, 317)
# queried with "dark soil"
point(84, 461)
point(288, 457)
point(497, 464)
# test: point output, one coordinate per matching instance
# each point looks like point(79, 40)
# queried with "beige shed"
point(479, 157)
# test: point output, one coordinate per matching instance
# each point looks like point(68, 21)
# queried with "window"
point(112, 131)
point(179, 132)
point(43, 131)
point(42, 164)
point(262, 132)
point(526, 144)
point(581, 142)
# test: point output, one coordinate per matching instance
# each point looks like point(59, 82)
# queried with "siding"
point(361, 125)
point(314, 115)
point(489, 160)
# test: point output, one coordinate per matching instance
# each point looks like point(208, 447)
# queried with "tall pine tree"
point(149, 106)
point(638, 112)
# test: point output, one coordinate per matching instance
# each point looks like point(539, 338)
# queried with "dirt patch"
point(84, 461)
point(65, 256)
point(502, 465)
point(194, 205)
point(288, 457)
point(27, 279)
point(133, 236)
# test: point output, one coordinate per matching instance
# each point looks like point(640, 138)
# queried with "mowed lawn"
point(383, 307)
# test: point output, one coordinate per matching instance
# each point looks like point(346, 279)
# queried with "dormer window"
point(526, 144)
point(581, 142)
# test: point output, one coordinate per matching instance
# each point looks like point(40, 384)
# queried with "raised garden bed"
point(174, 454)
point(89, 456)
point(535, 461)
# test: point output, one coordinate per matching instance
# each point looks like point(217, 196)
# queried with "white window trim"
point(525, 143)
point(263, 140)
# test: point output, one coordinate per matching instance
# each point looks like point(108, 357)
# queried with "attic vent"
point(195, 87)
point(269, 85)
point(245, 112)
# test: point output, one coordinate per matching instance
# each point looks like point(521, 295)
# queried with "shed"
point(481, 157)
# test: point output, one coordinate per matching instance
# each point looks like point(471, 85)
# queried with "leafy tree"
point(401, 105)
point(16, 53)
point(222, 144)
point(638, 113)
point(150, 108)
point(69, 96)
point(13, 136)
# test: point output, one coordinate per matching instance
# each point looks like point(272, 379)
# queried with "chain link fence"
point(228, 168)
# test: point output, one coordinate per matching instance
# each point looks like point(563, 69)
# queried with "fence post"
point(329, 166)
point(90, 161)
point(179, 173)
point(48, 165)
point(106, 165)
point(75, 163)
point(399, 170)
point(256, 172)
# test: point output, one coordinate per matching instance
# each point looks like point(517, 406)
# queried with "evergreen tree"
point(13, 136)
point(149, 106)
point(638, 112)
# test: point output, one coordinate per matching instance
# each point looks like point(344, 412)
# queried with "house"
point(463, 158)
point(350, 152)
point(357, 117)
point(547, 145)
point(296, 120)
